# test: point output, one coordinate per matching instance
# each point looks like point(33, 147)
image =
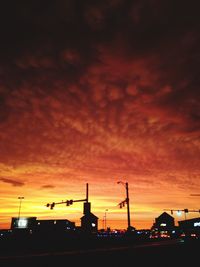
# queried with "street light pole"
point(127, 202)
point(128, 207)
point(105, 219)
point(20, 202)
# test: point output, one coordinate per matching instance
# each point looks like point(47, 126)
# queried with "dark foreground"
point(155, 253)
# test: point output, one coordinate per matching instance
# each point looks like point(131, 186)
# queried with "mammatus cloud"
point(12, 182)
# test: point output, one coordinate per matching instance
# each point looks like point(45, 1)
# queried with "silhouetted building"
point(89, 222)
point(32, 225)
point(164, 222)
point(190, 225)
point(54, 226)
point(23, 222)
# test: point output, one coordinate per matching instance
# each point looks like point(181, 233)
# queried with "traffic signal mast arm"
point(184, 210)
point(194, 210)
point(67, 202)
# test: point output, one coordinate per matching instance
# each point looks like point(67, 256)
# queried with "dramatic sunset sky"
point(99, 92)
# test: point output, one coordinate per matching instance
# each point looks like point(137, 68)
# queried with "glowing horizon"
point(142, 216)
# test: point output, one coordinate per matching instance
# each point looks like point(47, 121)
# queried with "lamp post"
point(127, 202)
point(20, 203)
point(105, 219)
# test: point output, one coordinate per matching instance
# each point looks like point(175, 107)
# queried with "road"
point(157, 253)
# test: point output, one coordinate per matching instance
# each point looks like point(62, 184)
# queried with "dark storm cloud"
point(50, 25)
point(4, 109)
point(61, 38)
point(73, 70)
point(47, 186)
point(48, 40)
point(12, 182)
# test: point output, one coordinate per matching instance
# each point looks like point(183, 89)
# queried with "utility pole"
point(126, 201)
point(128, 207)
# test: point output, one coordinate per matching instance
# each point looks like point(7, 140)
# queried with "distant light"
point(196, 224)
point(173, 232)
point(163, 224)
point(54, 222)
point(179, 213)
point(193, 235)
point(22, 223)
point(93, 224)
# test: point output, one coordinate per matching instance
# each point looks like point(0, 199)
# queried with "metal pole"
point(128, 207)
point(127, 202)
point(87, 192)
point(105, 219)
point(20, 202)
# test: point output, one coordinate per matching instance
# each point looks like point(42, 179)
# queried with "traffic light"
point(48, 205)
point(186, 210)
point(52, 205)
point(69, 202)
